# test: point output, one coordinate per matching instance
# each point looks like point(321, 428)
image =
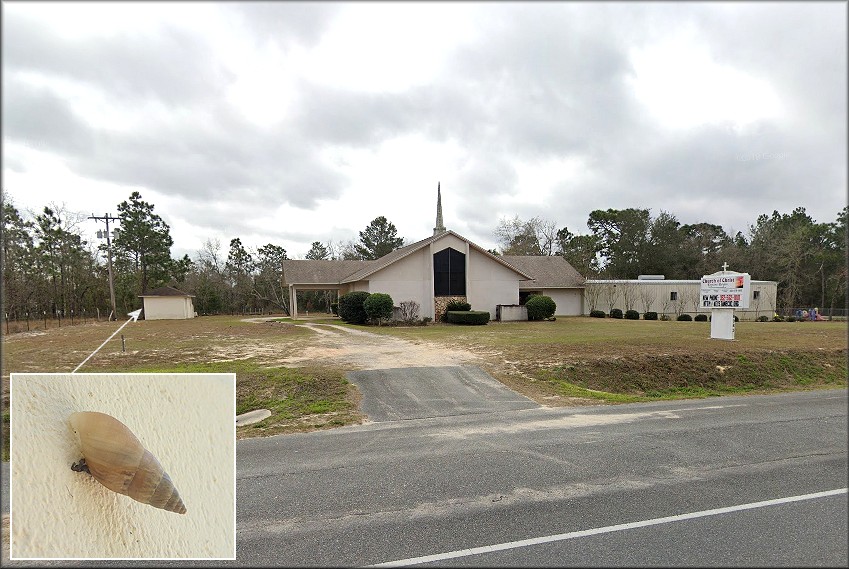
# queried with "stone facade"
point(440, 302)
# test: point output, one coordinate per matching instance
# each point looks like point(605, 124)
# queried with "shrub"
point(351, 308)
point(616, 313)
point(597, 314)
point(763, 318)
point(650, 316)
point(684, 318)
point(378, 306)
point(700, 318)
point(790, 319)
point(777, 318)
point(457, 305)
point(632, 315)
point(334, 308)
point(468, 317)
point(409, 311)
point(664, 317)
point(540, 307)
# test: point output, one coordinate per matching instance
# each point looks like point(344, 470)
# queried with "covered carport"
point(306, 274)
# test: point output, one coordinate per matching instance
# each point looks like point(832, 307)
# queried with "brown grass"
point(567, 362)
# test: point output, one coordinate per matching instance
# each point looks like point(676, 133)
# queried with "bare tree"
point(343, 250)
point(409, 311)
point(647, 294)
point(691, 299)
point(678, 303)
point(665, 301)
point(609, 296)
point(592, 292)
point(535, 236)
point(629, 294)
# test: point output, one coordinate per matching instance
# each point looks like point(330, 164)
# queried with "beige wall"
point(490, 283)
point(168, 307)
point(568, 300)
point(410, 278)
point(186, 420)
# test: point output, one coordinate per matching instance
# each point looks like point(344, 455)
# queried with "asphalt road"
point(433, 487)
point(716, 482)
point(421, 392)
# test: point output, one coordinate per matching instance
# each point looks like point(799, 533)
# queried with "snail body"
point(114, 457)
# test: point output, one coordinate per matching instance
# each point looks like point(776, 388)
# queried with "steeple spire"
point(440, 228)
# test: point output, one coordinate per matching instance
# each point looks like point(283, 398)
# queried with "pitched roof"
point(309, 271)
point(340, 272)
point(548, 272)
point(165, 291)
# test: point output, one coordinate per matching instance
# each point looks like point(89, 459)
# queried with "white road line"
point(607, 529)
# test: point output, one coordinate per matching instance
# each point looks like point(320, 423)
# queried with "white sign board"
point(725, 290)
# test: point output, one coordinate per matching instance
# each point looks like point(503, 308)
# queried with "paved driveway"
point(420, 392)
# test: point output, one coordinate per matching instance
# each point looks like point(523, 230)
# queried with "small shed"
point(168, 303)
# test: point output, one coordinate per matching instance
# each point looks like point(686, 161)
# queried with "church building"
point(446, 266)
point(443, 267)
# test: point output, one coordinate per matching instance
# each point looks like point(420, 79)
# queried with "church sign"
point(725, 289)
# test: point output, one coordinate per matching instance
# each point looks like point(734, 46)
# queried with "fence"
point(30, 322)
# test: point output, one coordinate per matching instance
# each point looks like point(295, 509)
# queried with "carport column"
point(431, 290)
point(467, 262)
point(293, 301)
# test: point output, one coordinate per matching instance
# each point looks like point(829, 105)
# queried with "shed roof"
point(165, 291)
point(547, 271)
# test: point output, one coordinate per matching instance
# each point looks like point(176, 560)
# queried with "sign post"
point(722, 292)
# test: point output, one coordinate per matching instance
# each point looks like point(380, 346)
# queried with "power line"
point(107, 218)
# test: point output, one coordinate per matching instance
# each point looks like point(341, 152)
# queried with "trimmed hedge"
point(597, 314)
point(378, 306)
point(457, 305)
point(684, 318)
point(351, 308)
point(650, 316)
point(700, 318)
point(616, 313)
point(334, 308)
point(475, 317)
point(632, 315)
point(540, 307)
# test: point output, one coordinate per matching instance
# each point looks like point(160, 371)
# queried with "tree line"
point(807, 259)
point(50, 270)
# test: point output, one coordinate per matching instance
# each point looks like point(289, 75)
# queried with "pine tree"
point(378, 239)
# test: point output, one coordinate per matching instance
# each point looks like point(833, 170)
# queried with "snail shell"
point(116, 459)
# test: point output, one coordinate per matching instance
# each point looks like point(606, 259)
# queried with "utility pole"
point(107, 218)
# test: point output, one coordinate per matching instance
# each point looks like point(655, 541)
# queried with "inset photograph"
point(122, 466)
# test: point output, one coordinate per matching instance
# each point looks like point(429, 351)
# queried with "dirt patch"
point(368, 351)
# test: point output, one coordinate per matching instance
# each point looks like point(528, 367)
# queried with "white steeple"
point(440, 228)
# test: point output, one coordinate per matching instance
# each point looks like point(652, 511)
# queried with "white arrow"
point(134, 315)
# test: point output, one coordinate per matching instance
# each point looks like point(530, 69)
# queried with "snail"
point(116, 459)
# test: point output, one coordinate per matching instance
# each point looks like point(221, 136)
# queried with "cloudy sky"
point(288, 123)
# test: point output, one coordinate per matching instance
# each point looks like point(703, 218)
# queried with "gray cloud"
point(544, 81)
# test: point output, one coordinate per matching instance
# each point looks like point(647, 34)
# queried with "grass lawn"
point(570, 361)
point(578, 359)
